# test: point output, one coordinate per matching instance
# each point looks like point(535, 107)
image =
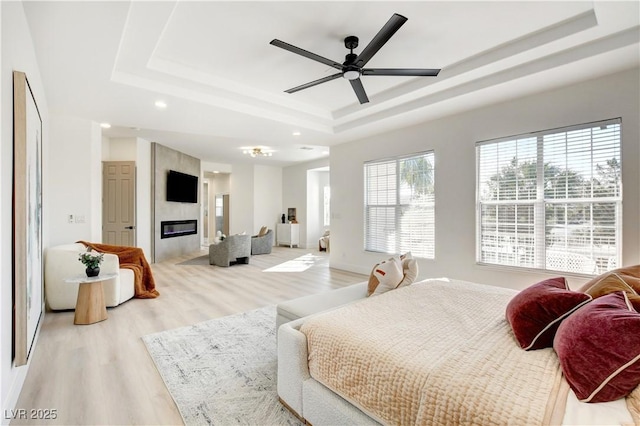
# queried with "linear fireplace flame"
point(178, 228)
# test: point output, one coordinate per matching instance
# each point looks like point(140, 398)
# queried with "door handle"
point(129, 227)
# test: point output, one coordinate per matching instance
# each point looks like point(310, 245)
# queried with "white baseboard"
point(9, 405)
point(350, 268)
point(10, 402)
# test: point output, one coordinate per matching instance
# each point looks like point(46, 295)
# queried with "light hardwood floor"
point(102, 373)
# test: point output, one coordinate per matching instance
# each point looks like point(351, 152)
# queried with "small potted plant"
point(92, 261)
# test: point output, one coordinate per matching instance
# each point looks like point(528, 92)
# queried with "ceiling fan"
point(352, 68)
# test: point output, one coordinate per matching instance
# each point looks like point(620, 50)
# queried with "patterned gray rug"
point(223, 371)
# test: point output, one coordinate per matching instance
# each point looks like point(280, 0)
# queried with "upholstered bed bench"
point(307, 305)
point(385, 276)
point(292, 353)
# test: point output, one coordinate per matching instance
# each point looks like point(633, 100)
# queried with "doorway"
point(205, 212)
point(222, 213)
point(118, 203)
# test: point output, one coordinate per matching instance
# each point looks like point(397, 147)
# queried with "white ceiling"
point(212, 63)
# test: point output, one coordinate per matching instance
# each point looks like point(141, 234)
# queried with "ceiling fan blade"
point(359, 89)
point(314, 83)
point(383, 36)
point(306, 54)
point(417, 72)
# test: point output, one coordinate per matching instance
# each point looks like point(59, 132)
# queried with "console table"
point(288, 234)
point(90, 306)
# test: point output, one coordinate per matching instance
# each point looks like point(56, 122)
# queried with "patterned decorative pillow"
point(263, 231)
point(630, 275)
point(385, 276)
point(599, 348)
point(536, 312)
point(613, 282)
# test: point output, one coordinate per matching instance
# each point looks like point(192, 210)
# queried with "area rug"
point(223, 371)
point(200, 260)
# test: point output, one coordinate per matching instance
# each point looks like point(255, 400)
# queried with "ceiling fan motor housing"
point(350, 71)
point(351, 42)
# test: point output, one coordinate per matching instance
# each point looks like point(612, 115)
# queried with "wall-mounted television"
point(181, 187)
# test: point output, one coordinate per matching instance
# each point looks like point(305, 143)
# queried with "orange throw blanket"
point(131, 258)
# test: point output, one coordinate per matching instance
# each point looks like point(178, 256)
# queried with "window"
point(552, 200)
point(327, 205)
point(399, 205)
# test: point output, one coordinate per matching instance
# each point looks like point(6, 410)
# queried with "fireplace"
point(178, 228)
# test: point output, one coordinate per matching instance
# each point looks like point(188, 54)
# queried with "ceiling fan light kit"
point(352, 68)
point(257, 152)
point(351, 74)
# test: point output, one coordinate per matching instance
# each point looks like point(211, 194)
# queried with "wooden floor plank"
point(103, 374)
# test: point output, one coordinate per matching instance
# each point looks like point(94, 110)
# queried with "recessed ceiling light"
point(216, 172)
point(161, 104)
point(306, 148)
point(296, 133)
point(105, 125)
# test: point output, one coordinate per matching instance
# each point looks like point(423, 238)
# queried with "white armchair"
point(61, 262)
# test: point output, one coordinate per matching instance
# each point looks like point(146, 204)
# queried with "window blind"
point(400, 205)
point(552, 200)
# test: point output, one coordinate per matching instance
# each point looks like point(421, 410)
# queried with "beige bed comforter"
point(436, 352)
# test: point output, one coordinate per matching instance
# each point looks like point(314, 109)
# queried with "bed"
point(437, 352)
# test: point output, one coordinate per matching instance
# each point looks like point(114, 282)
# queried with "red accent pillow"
point(599, 348)
point(536, 312)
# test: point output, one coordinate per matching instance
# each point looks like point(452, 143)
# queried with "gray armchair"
point(233, 249)
point(262, 244)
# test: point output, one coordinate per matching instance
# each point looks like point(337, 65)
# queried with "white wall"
point(453, 140)
point(267, 197)
point(221, 183)
point(76, 174)
point(255, 196)
point(208, 166)
point(294, 194)
point(121, 149)
point(17, 53)
point(241, 199)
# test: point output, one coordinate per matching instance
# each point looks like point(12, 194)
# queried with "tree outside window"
point(552, 200)
point(400, 205)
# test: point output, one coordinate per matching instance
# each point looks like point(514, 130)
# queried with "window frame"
point(541, 202)
point(399, 207)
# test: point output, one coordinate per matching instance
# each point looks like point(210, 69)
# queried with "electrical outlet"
point(79, 218)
